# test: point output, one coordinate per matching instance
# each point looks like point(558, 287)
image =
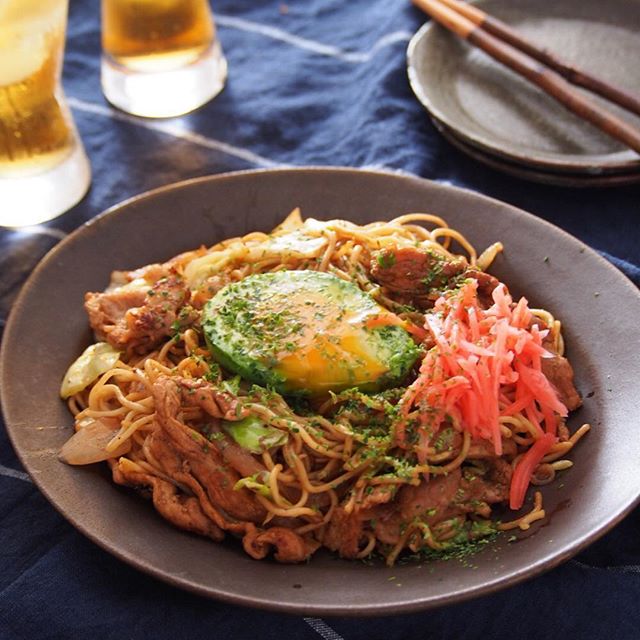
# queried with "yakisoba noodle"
point(415, 467)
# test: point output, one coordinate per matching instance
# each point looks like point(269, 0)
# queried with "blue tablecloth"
point(312, 82)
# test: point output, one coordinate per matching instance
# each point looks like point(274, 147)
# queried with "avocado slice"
point(305, 332)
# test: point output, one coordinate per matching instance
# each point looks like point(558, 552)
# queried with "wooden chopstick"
point(574, 75)
point(551, 82)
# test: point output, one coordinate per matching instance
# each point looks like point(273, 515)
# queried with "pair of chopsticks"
point(539, 66)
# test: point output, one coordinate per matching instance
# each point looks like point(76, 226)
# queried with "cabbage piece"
point(94, 361)
point(252, 483)
point(255, 436)
point(88, 444)
point(292, 222)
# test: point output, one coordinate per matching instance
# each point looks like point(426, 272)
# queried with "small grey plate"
point(537, 174)
point(48, 328)
point(490, 107)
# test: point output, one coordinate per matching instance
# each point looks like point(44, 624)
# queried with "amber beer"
point(35, 133)
point(160, 58)
point(149, 35)
point(43, 167)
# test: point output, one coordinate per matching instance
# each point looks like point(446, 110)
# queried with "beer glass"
point(43, 168)
point(161, 58)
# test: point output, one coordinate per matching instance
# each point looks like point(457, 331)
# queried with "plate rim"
point(372, 609)
point(537, 174)
point(593, 164)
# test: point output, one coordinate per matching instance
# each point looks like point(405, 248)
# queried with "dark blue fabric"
point(311, 82)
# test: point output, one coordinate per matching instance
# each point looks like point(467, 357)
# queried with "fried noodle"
point(413, 468)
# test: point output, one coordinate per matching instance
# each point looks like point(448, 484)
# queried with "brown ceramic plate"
point(491, 108)
point(48, 328)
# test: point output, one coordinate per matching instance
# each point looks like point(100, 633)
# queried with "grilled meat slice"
point(136, 316)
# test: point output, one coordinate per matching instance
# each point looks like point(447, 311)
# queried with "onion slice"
point(88, 444)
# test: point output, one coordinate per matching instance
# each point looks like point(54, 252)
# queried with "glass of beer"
point(161, 58)
point(43, 168)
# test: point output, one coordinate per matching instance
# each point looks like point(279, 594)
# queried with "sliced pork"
point(418, 276)
point(559, 372)
point(135, 315)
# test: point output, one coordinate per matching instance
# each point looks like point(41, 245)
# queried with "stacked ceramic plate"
point(497, 117)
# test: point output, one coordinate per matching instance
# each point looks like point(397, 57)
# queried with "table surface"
point(311, 82)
